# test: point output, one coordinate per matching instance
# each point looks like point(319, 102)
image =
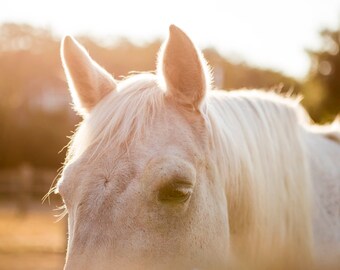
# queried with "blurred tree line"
point(35, 113)
point(322, 88)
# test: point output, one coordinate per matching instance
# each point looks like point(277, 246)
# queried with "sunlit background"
point(264, 33)
point(291, 44)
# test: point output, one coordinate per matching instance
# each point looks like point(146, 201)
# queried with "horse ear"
point(88, 82)
point(184, 69)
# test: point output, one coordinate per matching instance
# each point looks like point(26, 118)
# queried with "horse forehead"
point(173, 144)
point(102, 166)
point(88, 173)
point(173, 127)
point(171, 134)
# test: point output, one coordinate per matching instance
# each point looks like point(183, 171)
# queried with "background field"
point(31, 240)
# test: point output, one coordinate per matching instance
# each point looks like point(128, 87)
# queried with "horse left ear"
point(184, 70)
point(88, 81)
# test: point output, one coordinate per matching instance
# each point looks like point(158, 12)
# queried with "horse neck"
point(262, 161)
point(324, 155)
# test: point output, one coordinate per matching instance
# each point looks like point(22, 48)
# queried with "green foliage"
point(322, 89)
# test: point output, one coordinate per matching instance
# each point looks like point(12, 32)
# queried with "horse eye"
point(177, 192)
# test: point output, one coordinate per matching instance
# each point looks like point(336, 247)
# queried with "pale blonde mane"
point(260, 154)
point(120, 118)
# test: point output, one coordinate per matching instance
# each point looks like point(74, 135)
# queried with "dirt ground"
point(33, 240)
point(31, 261)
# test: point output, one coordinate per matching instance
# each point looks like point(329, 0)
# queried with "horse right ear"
point(88, 82)
point(184, 70)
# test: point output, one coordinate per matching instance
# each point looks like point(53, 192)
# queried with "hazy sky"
point(266, 33)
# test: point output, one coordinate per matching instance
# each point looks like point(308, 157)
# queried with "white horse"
point(165, 173)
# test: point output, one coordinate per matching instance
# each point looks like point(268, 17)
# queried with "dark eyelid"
point(181, 182)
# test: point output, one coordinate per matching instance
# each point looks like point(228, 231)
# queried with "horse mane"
point(121, 117)
point(257, 138)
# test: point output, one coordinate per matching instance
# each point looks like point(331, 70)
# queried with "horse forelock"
point(120, 119)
